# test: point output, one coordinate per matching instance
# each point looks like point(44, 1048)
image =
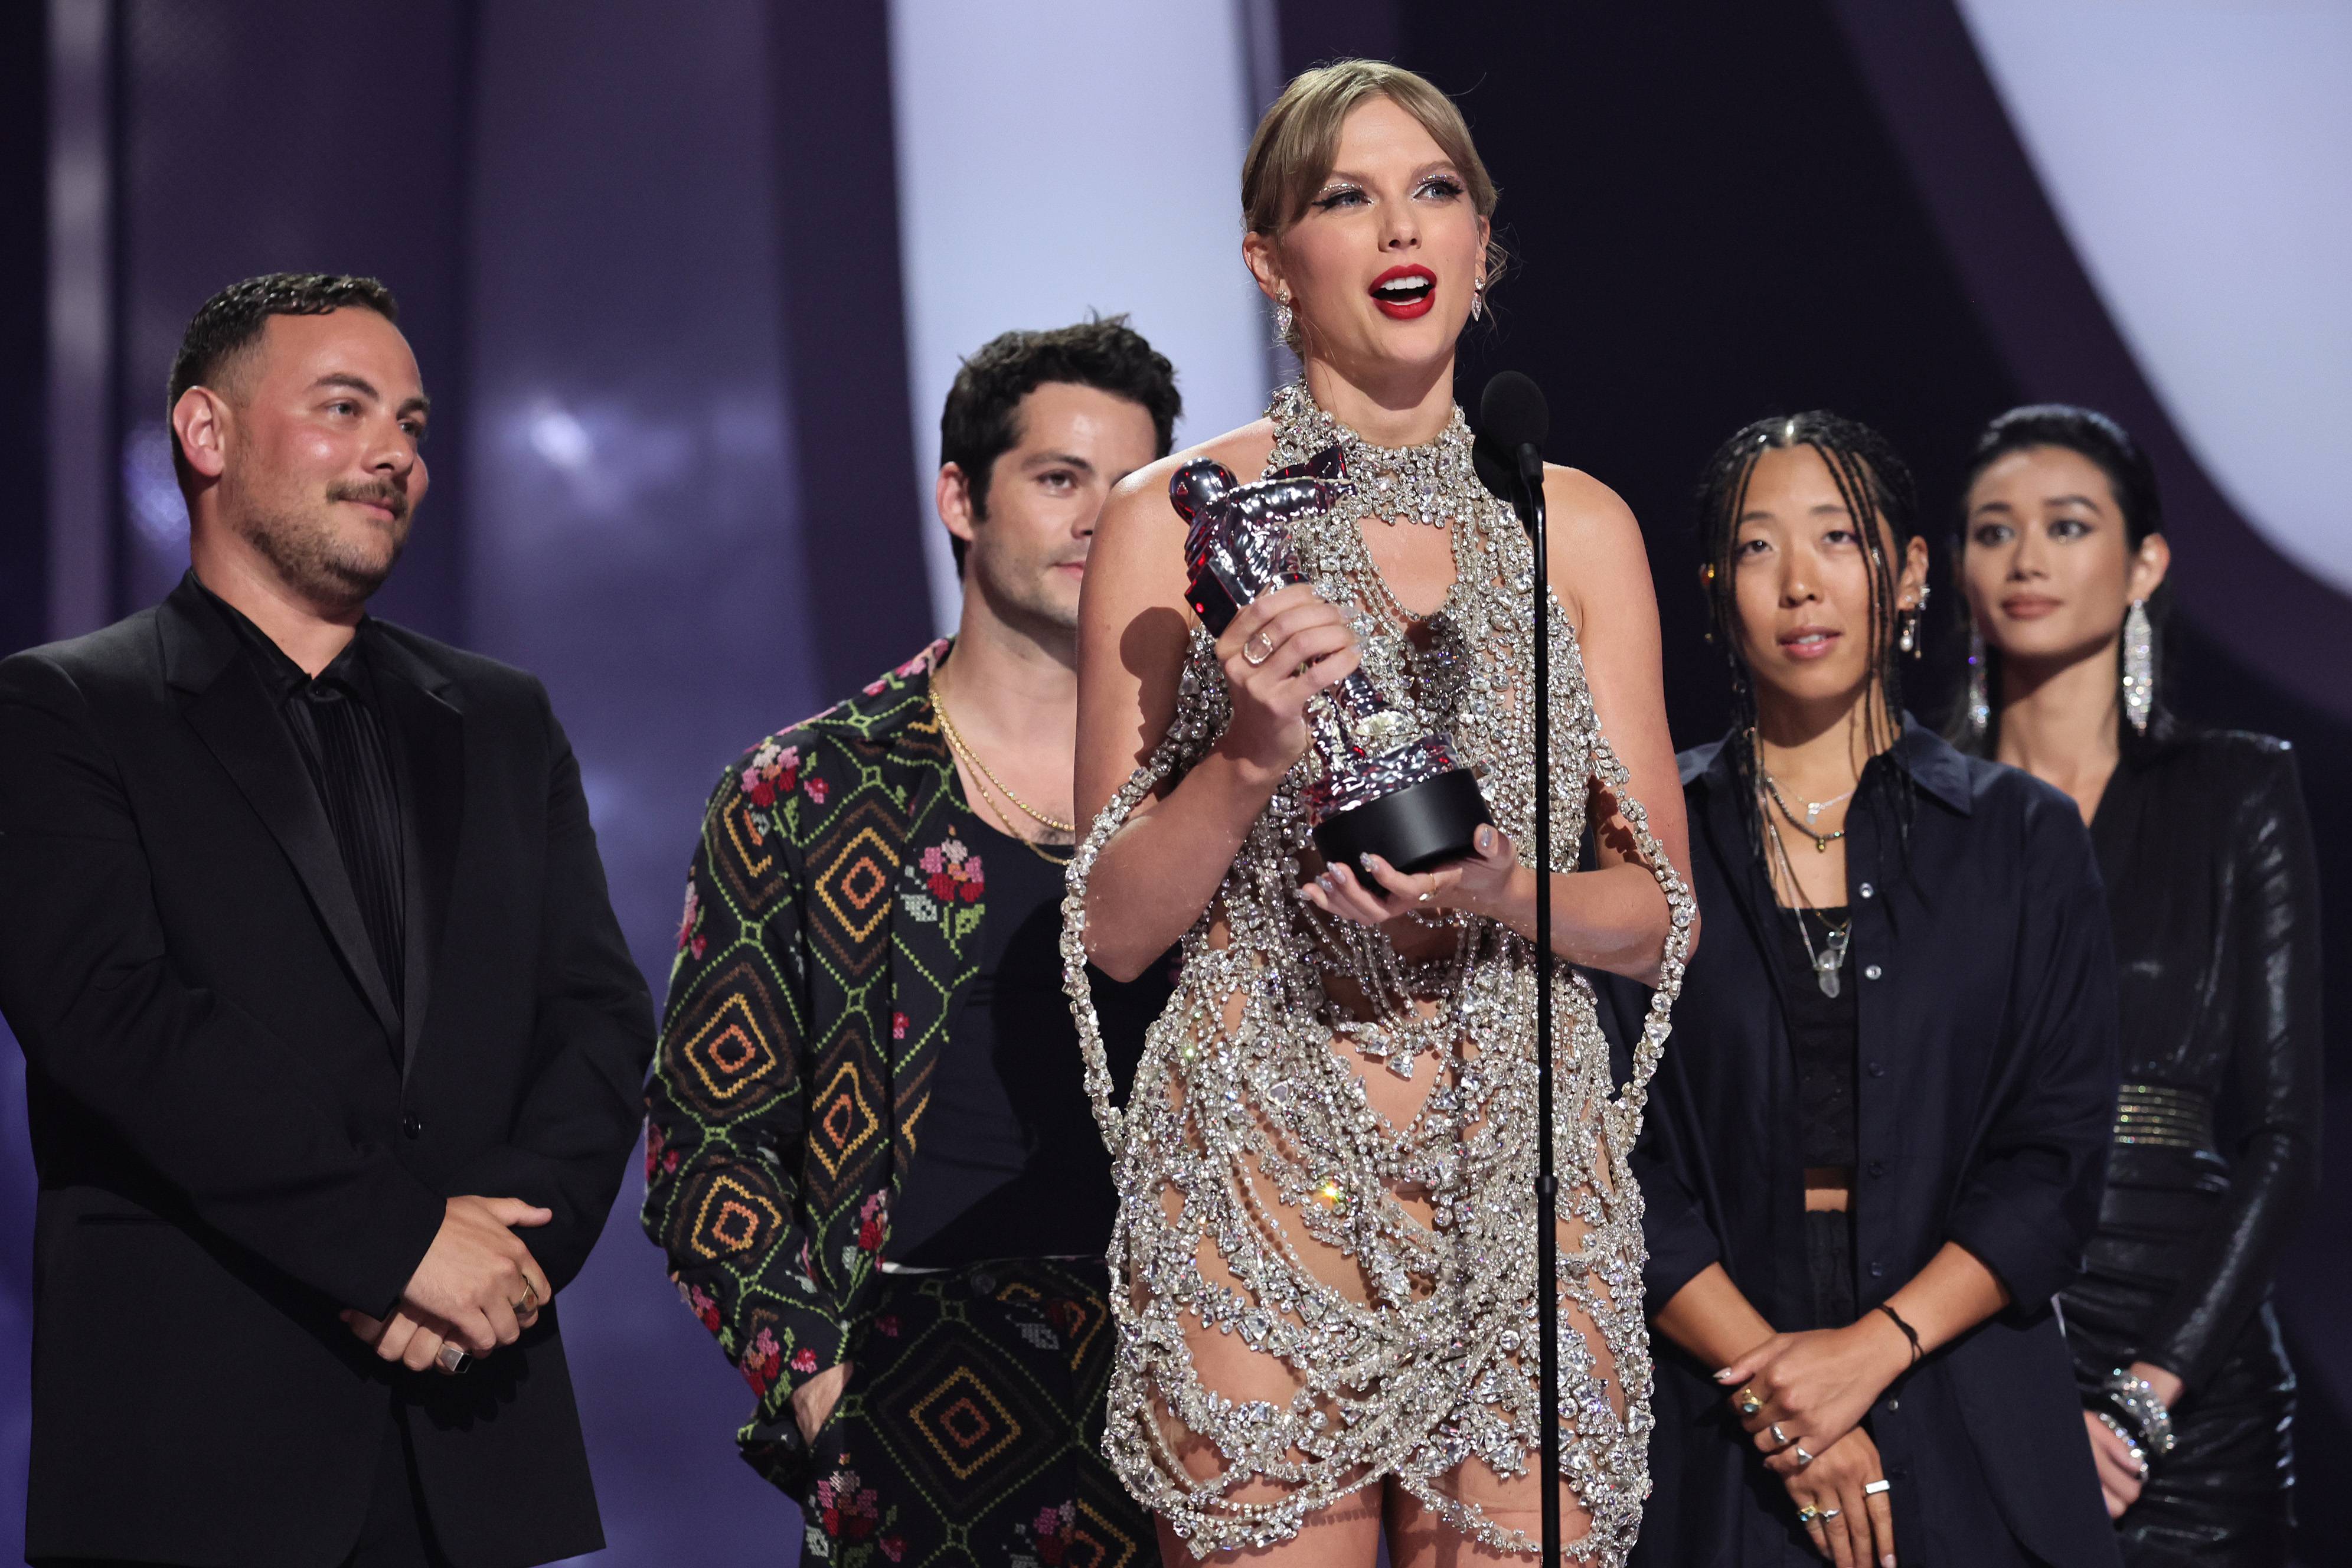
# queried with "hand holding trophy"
point(1382, 790)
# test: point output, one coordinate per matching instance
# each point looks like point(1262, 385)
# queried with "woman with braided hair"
point(1874, 1154)
point(1325, 1256)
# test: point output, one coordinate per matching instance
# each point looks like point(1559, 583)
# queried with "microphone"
point(1513, 420)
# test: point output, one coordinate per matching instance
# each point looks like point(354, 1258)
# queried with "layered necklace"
point(1827, 959)
point(1814, 809)
point(962, 749)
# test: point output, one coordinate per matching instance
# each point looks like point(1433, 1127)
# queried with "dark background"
point(1717, 211)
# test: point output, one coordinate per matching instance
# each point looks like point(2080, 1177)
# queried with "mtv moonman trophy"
point(1381, 788)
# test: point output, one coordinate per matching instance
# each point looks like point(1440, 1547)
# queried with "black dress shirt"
point(337, 723)
point(1985, 1015)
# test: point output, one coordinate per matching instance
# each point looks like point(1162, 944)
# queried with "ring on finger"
point(1828, 1514)
point(1777, 1436)
point(1250, 649)
point(1803, 1459)
point(454, 1359)
point(1749, 1403)
point(1808, 1515)
point(1881, 1485)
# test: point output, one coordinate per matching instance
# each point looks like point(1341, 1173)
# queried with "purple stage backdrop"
point(687, 285)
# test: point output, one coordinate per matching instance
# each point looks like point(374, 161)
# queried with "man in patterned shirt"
point(870, 1153)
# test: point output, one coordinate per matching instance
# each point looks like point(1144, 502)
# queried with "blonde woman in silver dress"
point(1325, 1254)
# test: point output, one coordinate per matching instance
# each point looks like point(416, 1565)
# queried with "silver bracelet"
point(2135, 1399)
point(2130, 1443)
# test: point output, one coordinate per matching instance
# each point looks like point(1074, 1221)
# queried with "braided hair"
point(1873, 482)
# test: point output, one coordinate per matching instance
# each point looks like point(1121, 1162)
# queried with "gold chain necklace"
point(962, 749)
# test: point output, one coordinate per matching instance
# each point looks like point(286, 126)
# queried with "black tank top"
point(1823, 1036)
point(1009, 1162)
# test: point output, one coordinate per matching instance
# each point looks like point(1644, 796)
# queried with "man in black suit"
point(334, 1050)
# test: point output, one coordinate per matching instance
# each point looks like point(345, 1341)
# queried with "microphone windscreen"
point(1512, 412)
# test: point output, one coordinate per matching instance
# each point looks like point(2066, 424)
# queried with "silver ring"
point(1777, 1436)
point(1877, 1486)
point(454, 1359)
point(1803, 1459)
point(1828, 1514)
point(1257, 659)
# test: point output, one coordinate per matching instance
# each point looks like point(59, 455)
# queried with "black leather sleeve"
point(230, 1115)
point(2273, 1082)
point(595, 1036)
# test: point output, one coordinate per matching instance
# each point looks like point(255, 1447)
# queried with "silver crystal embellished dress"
point(1326, 1166)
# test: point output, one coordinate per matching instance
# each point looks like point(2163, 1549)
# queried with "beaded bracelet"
point(2134, 1398)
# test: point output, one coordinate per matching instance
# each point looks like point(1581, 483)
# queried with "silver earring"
point(2140, 665)
point(1479, 300)
point(1283, 318)
point(1979, 700)
point(1910, 640)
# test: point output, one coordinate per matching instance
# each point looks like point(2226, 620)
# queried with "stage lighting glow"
point(560, 439)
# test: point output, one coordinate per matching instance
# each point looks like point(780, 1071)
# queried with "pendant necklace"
point(1814, 809)
point(1830, 957)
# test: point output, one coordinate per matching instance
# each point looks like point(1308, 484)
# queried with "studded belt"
point(2164, 1116)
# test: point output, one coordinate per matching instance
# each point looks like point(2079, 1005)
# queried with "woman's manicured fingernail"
point(1723, 1376)
point(1486, 839)
point(1370, 861)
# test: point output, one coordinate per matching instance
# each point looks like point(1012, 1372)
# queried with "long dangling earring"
point(1980, 698)
point(2139, 667)
point(1477, 299)
point(1282, 317)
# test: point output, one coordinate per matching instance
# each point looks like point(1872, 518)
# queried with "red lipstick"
point(1402, 293)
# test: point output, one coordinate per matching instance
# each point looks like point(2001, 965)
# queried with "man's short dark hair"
point(980, 422)
point(231, 322)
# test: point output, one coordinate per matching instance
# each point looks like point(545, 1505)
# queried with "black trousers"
point(395, 1534)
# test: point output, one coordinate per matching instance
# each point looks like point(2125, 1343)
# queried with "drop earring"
point(1479, 300)
point(2139, 667)
point(1910, 640)
point(1282, 318)
point(1979, 700)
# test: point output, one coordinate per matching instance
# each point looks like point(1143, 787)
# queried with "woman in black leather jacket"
point(2204, 845)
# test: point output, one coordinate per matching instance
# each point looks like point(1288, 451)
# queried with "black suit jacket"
point(237, 1134)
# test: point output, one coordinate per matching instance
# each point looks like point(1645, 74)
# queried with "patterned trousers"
point(971, 1431)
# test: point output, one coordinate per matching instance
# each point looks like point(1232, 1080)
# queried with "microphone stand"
point(1530, 464)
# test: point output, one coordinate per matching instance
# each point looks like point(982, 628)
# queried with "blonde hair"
point(1298, 141)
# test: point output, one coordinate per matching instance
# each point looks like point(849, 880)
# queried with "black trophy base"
point(1413, 829)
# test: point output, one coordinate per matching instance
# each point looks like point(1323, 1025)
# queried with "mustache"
point(383, 494)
